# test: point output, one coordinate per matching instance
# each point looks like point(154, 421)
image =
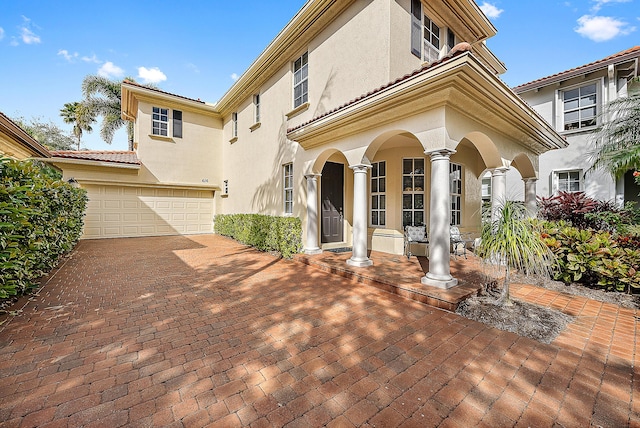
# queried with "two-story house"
point(360, 117)
point(574, 102)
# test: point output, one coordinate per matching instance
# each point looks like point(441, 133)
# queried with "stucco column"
point(439, 274)
point(530, 196)
point(498, 190)
point(359, 257)
point(311, 246)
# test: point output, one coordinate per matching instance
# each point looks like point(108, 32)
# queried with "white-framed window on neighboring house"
point(567, 181)
point(378, 194)
point(301, 80)
point(413, 192)
point(486, 189)
point(160, 121)
point(580, 107)
point(234, 125)
point(287, 172)
point(256, 108)
point(455, 186)
point(431, 40)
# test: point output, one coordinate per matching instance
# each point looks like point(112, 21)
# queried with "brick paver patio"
point(197, 331)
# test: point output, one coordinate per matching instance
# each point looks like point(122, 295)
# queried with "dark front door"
point(332, 196)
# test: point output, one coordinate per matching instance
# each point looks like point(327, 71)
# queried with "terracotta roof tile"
point(129, 82)
point(563, 74)
point(457, 50)
point(114, 156)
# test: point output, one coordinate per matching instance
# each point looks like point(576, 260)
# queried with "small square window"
point(160, 121)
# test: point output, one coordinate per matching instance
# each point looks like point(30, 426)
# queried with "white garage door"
point(120, 211)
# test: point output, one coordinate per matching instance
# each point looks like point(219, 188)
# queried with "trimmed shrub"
point(266, 233)
point(41, 218)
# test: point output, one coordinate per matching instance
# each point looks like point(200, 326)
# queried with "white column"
point(530, 196)
point(439, 274)
point(359, 257)
point(311, 246)
point(498, 190)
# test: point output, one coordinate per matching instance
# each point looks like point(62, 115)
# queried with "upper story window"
point(256, 107)
point(287, 171)
point(301, 80)
point(378, 194)
point(567, 181)
point(455, 186)
point(451, 39)
point(177, 124)
point(234, 125)
point(580, 107)
point(160, 121)
point(431, 40)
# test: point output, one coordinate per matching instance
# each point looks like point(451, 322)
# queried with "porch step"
point(397, 275)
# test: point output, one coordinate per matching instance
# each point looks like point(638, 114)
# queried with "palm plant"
point(103, 98)
point(78, 115)
point(510, 241)
point(617, 140)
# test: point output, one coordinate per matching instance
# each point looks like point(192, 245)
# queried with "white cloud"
point(1, 33)
point(193, 67)
point(599, 3)
point(602, 28)
point(28, 37)
point(93, 58)
point(234, 76)
point(110, 70)
point(151, 75)
point(66, 55)
point(491, 10)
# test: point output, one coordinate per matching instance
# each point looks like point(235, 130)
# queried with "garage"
point(116, 211)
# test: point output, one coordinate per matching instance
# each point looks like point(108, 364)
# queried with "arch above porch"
point(486, 148)
point(524, 165)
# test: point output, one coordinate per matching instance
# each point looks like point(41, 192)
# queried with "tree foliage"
point(617, 140)
point(48, 134)
point(80, 116)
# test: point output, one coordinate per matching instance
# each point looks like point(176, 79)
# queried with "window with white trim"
point(580, 107)
point(378, 194)
point(234, 124)
point(256, 108)
point(567, 181)
point(412, 192)
point(160, 121)
point(431, 40)
point(455, 188)
point(486, 189)
point(287, 170)
point(301, 80)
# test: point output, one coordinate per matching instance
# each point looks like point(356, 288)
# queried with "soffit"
point(132, 94)
point(464, 17)
point(462, 83)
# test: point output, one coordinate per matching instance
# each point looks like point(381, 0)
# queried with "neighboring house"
point(360, 117)
point(15, 143)
point(572, 102)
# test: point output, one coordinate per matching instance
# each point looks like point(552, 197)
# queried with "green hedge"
point(266, 233)
point(41, 218)
point(594, 258)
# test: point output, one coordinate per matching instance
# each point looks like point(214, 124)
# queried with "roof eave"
point(87, 162)
point(21, 135)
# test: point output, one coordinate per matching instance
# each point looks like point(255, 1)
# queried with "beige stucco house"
point(15, 143)
point(360, 117)
point(572, 102)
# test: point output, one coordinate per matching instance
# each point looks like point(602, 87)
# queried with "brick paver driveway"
point(197, 331)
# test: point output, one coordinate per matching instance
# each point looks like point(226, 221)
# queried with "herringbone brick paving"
point(200, 331)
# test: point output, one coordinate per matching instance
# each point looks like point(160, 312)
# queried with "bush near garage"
point(266, 233)
point(41, 218)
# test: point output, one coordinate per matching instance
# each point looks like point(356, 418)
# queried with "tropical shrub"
point(41, 218)
point(266, 233)
point(584, 212)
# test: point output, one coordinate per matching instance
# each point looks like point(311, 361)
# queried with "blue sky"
point(197, 48)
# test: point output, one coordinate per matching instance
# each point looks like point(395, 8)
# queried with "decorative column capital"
point(501, 170)
point(312, 176)
point(360, 168)
point(528, 180)
point(437, 154)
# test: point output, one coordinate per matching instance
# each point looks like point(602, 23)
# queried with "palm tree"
point(79, 116)
point(510, 241)
point(617, 140)
point(103, 98)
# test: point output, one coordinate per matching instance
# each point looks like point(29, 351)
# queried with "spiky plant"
point(510, 241)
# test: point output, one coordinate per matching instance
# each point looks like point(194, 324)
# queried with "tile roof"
point(129, 82)
point(578, 70)
point(114, 156)
point(457, 50)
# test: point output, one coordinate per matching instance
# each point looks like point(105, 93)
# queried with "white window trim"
point(304, 95)
point(454, 194)
point(555, 180)
point(234, 125)
point(378, 194)
point(413, 191)
point(559, 98)
point(287, 190)
point(256, 108)
point(159, 121)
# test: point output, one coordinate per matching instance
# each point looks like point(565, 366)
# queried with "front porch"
point(395, 274)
